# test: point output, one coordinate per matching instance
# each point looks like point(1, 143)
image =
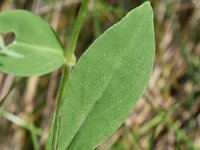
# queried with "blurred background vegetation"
point(168, 115)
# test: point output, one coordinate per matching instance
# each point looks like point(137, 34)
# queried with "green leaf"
point(35, 41)
point(107, 81)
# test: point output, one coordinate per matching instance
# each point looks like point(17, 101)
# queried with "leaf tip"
point(147, 3)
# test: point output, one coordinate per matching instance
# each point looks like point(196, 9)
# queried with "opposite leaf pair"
point(104, 85)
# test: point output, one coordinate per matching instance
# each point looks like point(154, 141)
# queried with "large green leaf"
point(35, 41)
point(107, 82)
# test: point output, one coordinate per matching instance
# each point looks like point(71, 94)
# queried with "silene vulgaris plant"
point(99, 91)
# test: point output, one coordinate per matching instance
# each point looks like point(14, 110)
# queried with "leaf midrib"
point(100, 95)
point(38, 48)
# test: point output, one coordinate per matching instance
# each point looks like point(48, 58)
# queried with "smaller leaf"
point(35, 50)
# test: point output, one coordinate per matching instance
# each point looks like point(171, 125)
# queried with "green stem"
point(78, 24)
point(34, 138)
point(69, 64)
point(59, 107)
point(34, 132)
point(18, 121)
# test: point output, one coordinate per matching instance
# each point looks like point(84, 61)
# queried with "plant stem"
point(67, 69)
point(59, 107)
point(18, 121)
point(76, 30)
point(34, 132)
point(34, 138)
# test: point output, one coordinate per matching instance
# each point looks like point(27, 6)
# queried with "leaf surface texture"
point(107, 82)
